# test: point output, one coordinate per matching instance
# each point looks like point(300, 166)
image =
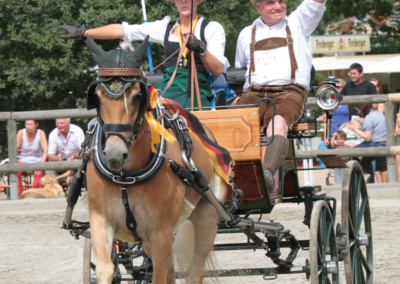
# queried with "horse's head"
point(120, 95)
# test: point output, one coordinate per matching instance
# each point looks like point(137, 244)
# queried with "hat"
point(118, 70)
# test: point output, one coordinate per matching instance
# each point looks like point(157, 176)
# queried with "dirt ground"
point(34, 248)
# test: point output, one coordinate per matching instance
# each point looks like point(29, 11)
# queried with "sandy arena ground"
point(34, 248)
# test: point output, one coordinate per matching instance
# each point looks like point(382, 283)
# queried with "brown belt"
point(296, 87)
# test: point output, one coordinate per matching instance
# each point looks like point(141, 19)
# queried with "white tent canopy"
point(385, 63)
point(390, 65)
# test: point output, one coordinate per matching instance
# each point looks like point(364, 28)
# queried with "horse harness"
point(189, 173)
point(117, 71)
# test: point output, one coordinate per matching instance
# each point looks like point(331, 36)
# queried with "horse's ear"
point(96, 51)
point(138, 53)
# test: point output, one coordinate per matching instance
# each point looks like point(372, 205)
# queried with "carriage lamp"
point(328, 98)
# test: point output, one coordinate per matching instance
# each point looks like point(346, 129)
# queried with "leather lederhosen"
point(273, 43)
point(171, 47)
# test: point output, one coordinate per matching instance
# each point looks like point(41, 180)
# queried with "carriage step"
point(268, 273)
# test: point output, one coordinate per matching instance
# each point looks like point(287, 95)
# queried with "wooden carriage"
point(238, 130)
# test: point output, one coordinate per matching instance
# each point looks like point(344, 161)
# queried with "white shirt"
point(272, 67)
point(70, 144)
point(214, 35)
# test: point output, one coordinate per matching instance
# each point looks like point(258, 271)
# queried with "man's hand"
point(196, 45)
point(72, 32)
point(60, 156)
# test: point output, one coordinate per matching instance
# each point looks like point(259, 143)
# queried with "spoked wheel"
point(356, 224)
point(324, 266)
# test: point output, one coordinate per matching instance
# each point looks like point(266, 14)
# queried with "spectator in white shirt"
point(65, 142)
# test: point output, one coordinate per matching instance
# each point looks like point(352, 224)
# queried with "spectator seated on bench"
point(33, 144)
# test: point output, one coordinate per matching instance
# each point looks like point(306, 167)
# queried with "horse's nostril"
point(104, 153)
point(125, 156)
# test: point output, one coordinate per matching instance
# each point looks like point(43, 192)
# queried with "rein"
point(192, 72)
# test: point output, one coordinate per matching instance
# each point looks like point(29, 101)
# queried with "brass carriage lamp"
point(328, 98)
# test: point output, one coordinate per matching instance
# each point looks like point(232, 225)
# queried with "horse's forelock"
point(126, 46)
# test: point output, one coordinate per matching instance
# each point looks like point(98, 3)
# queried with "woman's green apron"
point(178, 91)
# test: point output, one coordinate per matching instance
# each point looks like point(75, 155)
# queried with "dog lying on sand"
point(51, 189)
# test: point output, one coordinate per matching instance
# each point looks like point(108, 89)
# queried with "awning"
point(390, 65)
point(384, 63)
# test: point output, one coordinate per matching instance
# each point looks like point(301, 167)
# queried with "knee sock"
point(276, 153)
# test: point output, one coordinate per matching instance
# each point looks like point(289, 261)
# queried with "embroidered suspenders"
point(272, 43)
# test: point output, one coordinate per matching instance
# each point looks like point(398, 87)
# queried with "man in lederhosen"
point(276, 51)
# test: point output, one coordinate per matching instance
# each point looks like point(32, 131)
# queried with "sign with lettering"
point(340, 43)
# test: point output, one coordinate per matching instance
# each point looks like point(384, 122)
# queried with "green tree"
point(41, 71)
point(385, 33)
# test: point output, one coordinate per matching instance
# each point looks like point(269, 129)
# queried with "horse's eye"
point(135, 98)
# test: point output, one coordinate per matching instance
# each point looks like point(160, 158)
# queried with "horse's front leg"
point(102, 236)
point(161, 255)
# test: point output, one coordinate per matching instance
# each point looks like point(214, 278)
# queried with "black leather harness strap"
point(114, 129)
point(117, 127)
point(130, 219)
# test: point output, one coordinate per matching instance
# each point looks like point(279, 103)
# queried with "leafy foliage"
point(41, 71)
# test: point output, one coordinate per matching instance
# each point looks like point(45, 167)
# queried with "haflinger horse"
point(133, 156)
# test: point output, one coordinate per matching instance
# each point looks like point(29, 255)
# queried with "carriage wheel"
point(324, 266)
point(356, 224)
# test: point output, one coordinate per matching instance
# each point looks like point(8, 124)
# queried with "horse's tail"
point(184, 248)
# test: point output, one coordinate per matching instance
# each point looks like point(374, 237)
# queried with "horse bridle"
point(115, 129)
point(110, 129)
point(135, 177)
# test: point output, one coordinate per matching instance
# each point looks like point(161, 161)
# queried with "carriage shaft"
point(243, 222)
